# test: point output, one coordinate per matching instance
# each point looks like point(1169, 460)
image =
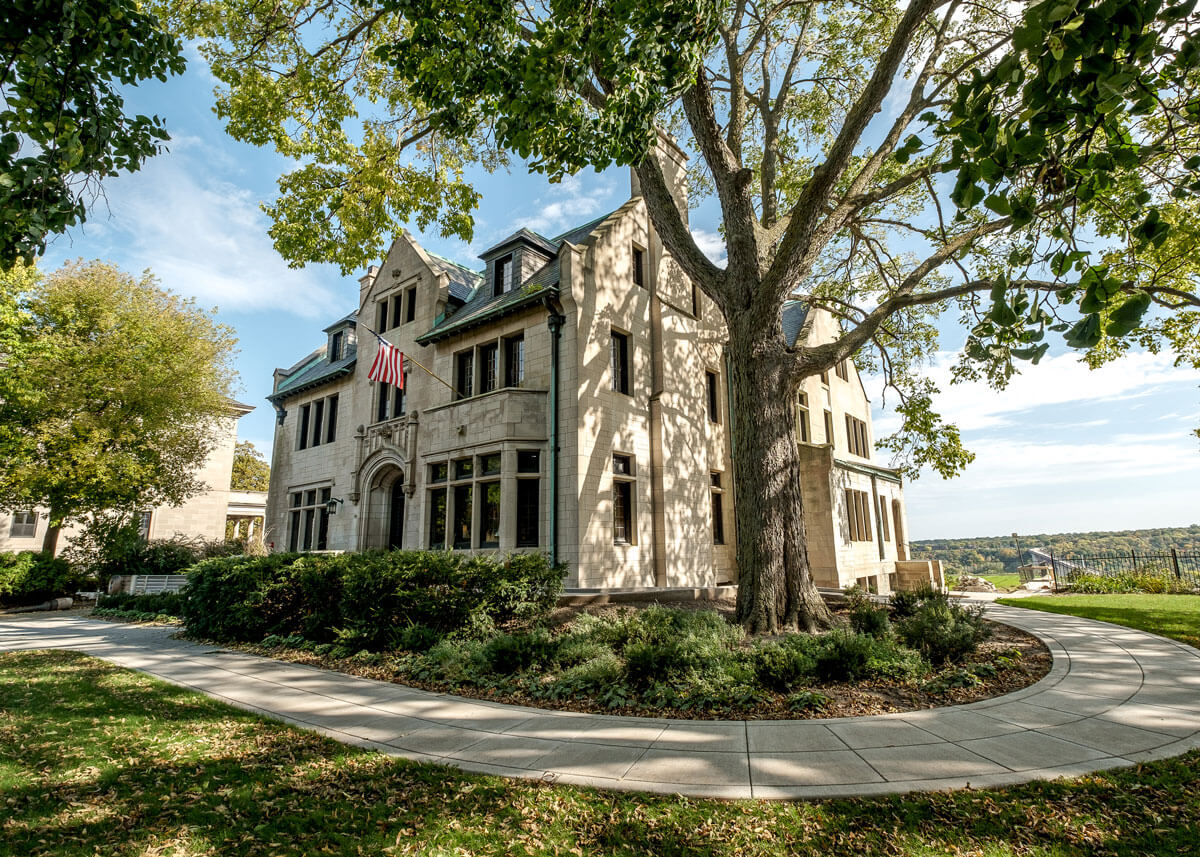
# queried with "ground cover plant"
point(96, 759)
point(1097, 584)
point(1175, 616)
point(158, 606)
point(922, 651)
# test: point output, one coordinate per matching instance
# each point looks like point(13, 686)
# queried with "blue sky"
point(1063, 449)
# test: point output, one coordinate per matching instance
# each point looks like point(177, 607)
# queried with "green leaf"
point(1086, 332)
point(1126, 317)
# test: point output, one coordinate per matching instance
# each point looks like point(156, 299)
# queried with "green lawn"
point(1176, 616)
point(99, 760)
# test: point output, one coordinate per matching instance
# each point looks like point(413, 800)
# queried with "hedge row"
point(30, 578)
point(369, 600)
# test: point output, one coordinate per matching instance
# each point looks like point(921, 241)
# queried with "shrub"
point(782, 667)
point(513, 653)
point(365, 601)
point(29, 577)
point(868, 619)
point(842, 656)
point(906, 603)
point(1103, 584)
point(157, 604)
point(944, 632)
point(601, 677)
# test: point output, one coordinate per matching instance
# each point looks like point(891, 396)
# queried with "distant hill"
point(991, 555)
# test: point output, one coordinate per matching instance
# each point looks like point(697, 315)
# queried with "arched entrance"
point(383, 518)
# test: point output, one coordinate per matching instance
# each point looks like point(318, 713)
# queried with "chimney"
point(673, 162)
point(368, 279)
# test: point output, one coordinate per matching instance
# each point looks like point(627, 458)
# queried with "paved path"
point(1114, 697)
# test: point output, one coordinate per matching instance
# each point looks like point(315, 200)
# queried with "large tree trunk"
point(775, 588)
point(50, 540)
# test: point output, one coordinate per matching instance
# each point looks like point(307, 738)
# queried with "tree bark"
point(776, 592)
point(50, 540)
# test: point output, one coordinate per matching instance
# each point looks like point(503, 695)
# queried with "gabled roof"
point(313, 371)
point(795, 313)
point(484, 306)
point(344, 321)
point(527, 236)
point(463, 281)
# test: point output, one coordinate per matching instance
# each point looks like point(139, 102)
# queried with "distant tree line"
point(997, 554)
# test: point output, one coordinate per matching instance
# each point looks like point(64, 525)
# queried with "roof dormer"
point(342, 339)
point(514, 260)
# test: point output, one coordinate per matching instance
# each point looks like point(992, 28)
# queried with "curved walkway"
point(1114, 697)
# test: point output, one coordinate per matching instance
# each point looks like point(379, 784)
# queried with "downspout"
point(554, 322)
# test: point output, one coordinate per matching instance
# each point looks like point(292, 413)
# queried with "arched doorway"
point(383, 506)
point(395, 539)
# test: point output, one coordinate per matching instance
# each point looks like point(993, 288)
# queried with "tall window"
point(623, 529)
point(389, 403)
point(381, 316)
point(331, 416)
point(461, 531)
point(489, 518)
point(639, 266)
point(718, 512)
point(437, 518)
point(309, 520)
point(317, 420)
point(514, 361)
point(336, 343)
point(856, 437)
point(302, 440)
point(24, 525)
point(858, 515)
point(503, 276)
point(843, 370)
point(829, 429)
point(465, 373)
point(528, 498)
point(881, 511)
point(620, 362)
point(695, 302)
point(489, 367)
point(410, 304)
point(397, 310)
point(714, 413)
point(825, 378)
point(802, 417)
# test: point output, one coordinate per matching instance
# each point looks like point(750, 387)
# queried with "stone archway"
point(383, 508)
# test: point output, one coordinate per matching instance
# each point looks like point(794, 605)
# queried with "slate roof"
point(794, 315)
point(462, 280)
point(483, 306)
point(349, 318)
point(526, 235)
point(313, 371)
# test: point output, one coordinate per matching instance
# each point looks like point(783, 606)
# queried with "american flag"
point(389, 364)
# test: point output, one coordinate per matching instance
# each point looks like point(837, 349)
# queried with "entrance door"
point(396, 519)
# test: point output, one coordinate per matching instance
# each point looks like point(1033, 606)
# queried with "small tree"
point(112, 394)
point(250, 470)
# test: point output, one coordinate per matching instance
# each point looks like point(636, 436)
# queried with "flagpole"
point(416, 363)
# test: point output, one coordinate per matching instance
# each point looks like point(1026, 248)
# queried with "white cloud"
point(568, 204)
point(207, 239)
point(711, 244)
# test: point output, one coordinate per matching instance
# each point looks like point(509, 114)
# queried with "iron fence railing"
point(1183, 567)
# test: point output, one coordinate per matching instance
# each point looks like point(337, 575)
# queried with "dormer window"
point(337, 346)
point(502, 276)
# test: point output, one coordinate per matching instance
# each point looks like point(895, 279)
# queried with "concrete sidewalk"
point(1114, 697)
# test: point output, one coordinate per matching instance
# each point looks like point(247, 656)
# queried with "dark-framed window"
point(461, 531)
point(489, 367)
point(464, 468)
point(639, 266)
point(620, 362)
point(397, 310)
point(529, 461)
point(336, 346)
point(881, 510)
point(24, 525)
point(381, 316)
point(331, 415)
point(514, 361)
point(410, 304)
point(829, 429)
point(858, 515)
point(623, 519)
point(309, 520)
point(302, 440)
point(317, 421)
point(437, 518)
point(856, 437)
point(502, 274)
point(714, 412)
point(802, 417)
point(465, 373)
point(718, 512)
point(439, 471)
point(695, 301)
point(489, 465)
point(489, 517)
point(528, 512)
point(843, 370)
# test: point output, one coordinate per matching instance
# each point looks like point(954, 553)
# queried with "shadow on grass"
point(95, 759)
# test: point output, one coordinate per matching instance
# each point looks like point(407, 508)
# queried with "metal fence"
point(1181, 567)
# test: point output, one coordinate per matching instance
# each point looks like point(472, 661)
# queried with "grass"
point(95, 759)
point(1000, 581)
point(1175, 616)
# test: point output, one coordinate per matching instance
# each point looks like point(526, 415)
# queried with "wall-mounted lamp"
point(332, 503)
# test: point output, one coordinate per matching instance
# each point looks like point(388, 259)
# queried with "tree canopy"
point(63, 125)
point(112, 395)
point(250, 470)
point(1030, 168)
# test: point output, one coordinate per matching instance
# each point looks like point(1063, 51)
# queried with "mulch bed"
point(856, 699)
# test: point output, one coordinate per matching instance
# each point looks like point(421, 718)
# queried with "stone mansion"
point(571, 397)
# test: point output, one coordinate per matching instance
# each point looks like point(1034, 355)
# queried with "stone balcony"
point(507, 414)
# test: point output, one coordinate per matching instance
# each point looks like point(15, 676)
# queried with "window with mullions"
point(390, 402)
point(465, 374)
point(489, 367)
point(461, 531)
point(410, 304)
point(856, 437)
point(639, 266)
point(714, 412)
point(620, 362)
point(623, 518)
point(23, 526)
point(502, 281)
point(858, 515)
point(489, 514)
point(843, 370)
point(318, 422)
point(437, 517)
point(718, 511)
point(308, 527)
point(802, 417)
point(514, 361)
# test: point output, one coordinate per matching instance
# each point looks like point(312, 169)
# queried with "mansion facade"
point(573, 398)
